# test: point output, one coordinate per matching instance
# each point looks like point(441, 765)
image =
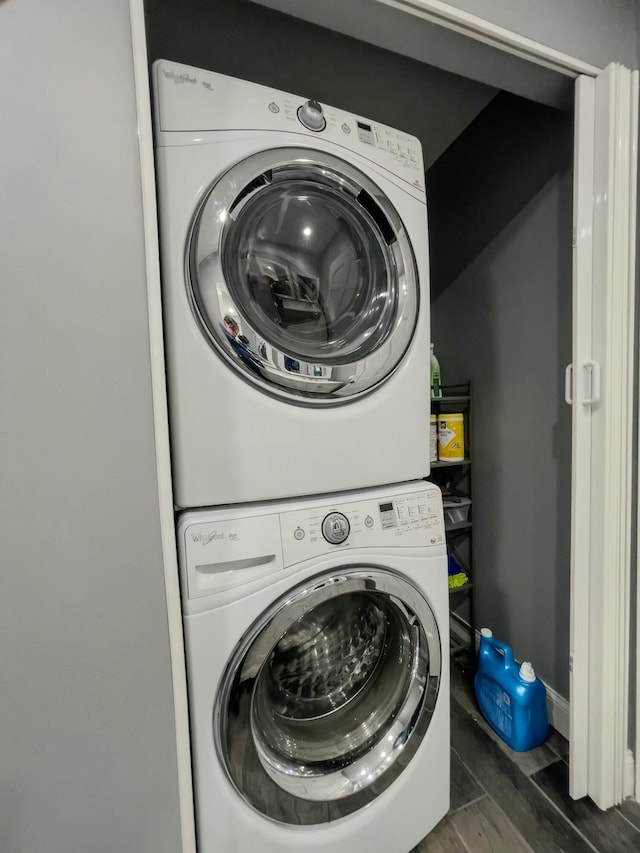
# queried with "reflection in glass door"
point(329, 696)
point(302, 276)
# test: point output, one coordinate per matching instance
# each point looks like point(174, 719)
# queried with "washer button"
point(273, 107)
point(298, 533)
point(368, 521)
point(346, 128)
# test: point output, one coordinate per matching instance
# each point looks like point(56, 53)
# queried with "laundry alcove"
point(499, 206)
point(516, 292)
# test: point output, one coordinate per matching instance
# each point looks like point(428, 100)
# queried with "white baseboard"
point(557, 705)
point(558, 710)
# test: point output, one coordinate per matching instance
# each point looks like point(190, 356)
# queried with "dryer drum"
point(301, 276)
point(329, 696)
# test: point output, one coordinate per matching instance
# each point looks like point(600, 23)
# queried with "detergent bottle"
point(511, 697)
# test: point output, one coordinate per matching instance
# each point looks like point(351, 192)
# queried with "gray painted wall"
point(488, 175)
point(596, 31)
point(229, 36)
point(500, 202)
point(87, 740)
point(505, 323)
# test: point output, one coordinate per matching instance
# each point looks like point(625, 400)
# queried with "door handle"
point(234, 565)
point(568, 383)
point(594, 369)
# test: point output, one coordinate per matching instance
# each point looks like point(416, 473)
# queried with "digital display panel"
point(363, 126)
point(386, 507)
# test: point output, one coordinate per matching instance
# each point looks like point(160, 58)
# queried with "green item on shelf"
point(458, 580)
point(457, 577)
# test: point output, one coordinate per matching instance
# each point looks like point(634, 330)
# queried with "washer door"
point(302, 276)
point(329, 696)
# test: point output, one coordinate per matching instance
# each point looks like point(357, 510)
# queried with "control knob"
point(335, 528)
point(311, 116)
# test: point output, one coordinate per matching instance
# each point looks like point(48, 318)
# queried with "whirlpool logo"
point(170, 74)
point(205, 538)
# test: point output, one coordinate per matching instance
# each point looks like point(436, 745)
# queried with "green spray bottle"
point(436, 384)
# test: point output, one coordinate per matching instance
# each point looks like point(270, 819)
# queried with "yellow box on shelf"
point(451, 437)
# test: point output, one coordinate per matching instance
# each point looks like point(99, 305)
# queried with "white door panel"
point(581, 432)
point(603, 371)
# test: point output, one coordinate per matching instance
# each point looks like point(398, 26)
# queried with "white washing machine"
point(295, 292)
point(316, 635)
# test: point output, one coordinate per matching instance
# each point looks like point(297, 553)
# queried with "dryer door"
point(329, 696)
point(301, 275)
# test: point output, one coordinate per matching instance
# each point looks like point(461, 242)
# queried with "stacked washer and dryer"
point(312, 554)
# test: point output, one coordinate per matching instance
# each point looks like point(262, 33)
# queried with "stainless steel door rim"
point(312, 736)
point(301, 275)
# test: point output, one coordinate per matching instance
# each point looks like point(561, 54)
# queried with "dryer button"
point(335, 528)
point(311, 116)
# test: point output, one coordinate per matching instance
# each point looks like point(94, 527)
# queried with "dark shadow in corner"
point(488, 175)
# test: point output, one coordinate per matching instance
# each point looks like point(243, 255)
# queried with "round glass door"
point(301, 275)
point(329, 696)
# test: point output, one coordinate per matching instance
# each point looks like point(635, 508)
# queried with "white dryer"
point(295, 292)
point(316, 636)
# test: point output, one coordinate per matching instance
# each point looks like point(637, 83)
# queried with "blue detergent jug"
point(511, 697)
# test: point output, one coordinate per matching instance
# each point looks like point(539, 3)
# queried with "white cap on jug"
point(527, 672)
point(486, 632)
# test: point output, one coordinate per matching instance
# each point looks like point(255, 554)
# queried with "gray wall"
point(87, 740)
point(596, 31)
point(229, 36)
point(488, 175)
point(500, 202)
point(505, 323)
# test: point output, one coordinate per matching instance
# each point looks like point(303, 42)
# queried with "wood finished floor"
point(508, 802)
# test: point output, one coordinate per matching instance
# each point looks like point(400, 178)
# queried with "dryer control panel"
point(412, 520)
point(193, 99)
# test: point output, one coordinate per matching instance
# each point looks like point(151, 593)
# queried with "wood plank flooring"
point(508, 802)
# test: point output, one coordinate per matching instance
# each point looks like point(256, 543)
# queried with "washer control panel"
point(413, 520)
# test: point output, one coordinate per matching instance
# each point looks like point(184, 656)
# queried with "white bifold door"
point(601, 387)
